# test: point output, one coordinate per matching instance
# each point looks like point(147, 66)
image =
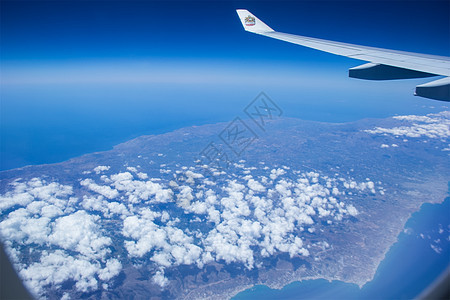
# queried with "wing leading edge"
point(383, 64)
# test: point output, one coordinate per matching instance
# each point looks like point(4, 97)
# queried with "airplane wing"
point(383, 64)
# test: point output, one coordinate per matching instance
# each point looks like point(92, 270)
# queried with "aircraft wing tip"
point(251, 23)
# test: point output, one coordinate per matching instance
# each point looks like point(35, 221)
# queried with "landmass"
point(203, 212)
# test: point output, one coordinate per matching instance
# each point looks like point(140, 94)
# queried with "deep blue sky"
point(208, 29)
point(78, 77)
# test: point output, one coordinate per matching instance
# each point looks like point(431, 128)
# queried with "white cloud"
point(103, 190)
point(52, 221)
point(56, 267)
point(66, 296)
point(436, 248)
point(140, 175)
point(112, 269)
point(191, 176)
point(185, 197)
point(132, 169)
point(246, 217)
point(146, 235)
point(35, 189)
point(80, 232)
point(352, 210)
point(431, 126)
point(170, 245)
point(159, 279)
point(276, 172)
point(101, 169)
point(256, 186)
point(117, 208)
point(135, 190)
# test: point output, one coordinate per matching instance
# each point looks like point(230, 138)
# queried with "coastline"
point(380, 271)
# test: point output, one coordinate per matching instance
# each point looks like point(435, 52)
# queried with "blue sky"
point(78, 77)
point(68, 30)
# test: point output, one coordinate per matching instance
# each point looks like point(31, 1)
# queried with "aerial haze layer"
point(79, 77)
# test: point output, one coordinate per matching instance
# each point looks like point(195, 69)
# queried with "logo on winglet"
point(249, 21)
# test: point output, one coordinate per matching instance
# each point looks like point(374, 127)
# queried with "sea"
point(50, 123)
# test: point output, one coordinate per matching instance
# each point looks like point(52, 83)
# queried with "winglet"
point(251, 22)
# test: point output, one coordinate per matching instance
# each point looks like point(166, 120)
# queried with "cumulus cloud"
point(21, 227)
point(431, 126)
point(245, 217)
point(145, 233)
point(103, 190)
point(24, 193)
point(185, 196)
point(191, 176)
point(256, 186)
point(57, 267)
point(101, 169)
point(159, 278)
point(140, 175)
point(169, 245)
point(108, 209)
point(352, 210)
point(112, 269)
point(276, 172)
point(133, 190)
point(137, 190)
point(49, 218)
point(80, 232)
